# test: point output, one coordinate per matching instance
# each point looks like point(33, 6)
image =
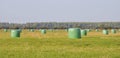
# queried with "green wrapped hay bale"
point(83, 32)
point(113, 31)
point(43, 31)
point(15, 33)
point(74, 33)
point(105, 32)
point(32, 30)
point(5, 30)
point(88, 30)
point(96, 30)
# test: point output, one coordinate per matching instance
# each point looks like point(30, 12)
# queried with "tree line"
point(61, 25)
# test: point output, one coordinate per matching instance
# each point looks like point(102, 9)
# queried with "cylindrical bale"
point(106, 32)
point(83, 32)
point(96, 30)
point(15, 33)
point(43, 31)
point(32, 30)
point(88, 30)
point(74, 33)
point(5, 30)
point(113, 31)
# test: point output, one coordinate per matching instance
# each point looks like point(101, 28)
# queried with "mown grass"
point(57, 45)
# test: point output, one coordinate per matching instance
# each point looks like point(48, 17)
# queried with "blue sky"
point(21, 11)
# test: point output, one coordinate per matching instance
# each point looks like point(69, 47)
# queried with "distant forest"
point(62, 25)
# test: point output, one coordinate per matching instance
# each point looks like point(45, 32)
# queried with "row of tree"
point(62, 25)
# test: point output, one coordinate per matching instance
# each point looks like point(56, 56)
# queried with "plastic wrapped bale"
point(5, 30)
point(88, 30)
point(96, 30)
point(105, 32)
point(83, 32)
point(74, 33)
point(32, 30)
point(43, 31)
point(15, 33)
point(113, 31)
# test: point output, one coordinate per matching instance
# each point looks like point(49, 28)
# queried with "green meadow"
point(56, 44)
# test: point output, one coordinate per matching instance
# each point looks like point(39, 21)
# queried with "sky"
point(22, 11)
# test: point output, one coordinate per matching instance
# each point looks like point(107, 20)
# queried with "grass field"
point(57, 45)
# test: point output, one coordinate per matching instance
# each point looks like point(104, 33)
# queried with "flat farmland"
point(56, 44)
